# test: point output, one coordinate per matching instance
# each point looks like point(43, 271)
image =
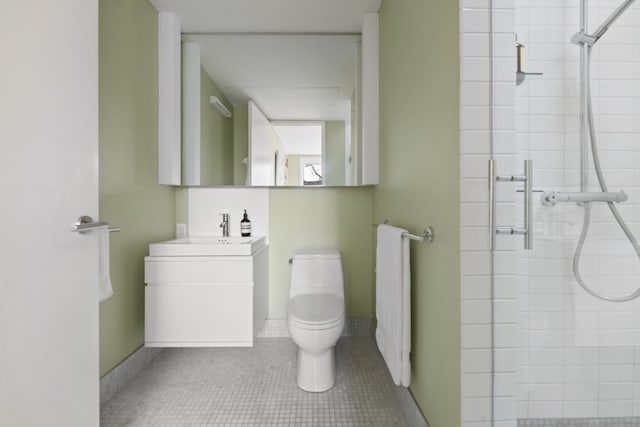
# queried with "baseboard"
point(353, 327)
point(119, 376)
point(410, 408)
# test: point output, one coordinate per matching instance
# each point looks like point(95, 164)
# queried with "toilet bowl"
point(316, 316)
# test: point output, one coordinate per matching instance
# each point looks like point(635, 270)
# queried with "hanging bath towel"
point(104, 278)
point(393, 302)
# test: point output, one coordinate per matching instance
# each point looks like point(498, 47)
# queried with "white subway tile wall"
point(488, 121)
point(559, 352)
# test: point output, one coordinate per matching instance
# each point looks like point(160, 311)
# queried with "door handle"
point(527, 178)
point(86, 224)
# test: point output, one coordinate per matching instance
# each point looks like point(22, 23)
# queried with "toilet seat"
point(316, 311)
point(317, 326)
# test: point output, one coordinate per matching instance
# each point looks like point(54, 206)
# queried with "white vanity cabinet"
point(205, 301)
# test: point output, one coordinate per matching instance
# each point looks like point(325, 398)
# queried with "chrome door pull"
point(527, 178)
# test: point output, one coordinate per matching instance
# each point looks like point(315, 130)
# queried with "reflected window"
point(312, 173)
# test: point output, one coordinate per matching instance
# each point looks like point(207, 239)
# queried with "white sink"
point(207, 246)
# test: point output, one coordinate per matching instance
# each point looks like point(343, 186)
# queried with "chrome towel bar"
point(427, 234)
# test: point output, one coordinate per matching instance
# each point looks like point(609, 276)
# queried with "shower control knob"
point(549, 198)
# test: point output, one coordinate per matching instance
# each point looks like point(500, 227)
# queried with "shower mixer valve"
point(551, 198)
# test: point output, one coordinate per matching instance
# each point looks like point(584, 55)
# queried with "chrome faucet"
point(225, 225)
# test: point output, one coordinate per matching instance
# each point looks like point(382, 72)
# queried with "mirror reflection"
point(303, 143)
point(270, 109)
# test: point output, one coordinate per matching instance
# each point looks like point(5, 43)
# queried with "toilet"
point(316, 315)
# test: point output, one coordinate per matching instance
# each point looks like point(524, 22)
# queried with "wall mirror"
point(267, 104)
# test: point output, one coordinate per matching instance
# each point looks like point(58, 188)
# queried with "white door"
point(261, 166)
point(48, 177)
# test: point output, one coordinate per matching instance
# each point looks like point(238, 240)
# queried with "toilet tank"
point(316, 271)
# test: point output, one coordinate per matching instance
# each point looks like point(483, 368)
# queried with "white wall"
point(205, 206)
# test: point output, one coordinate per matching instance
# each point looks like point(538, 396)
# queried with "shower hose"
point(587, 206)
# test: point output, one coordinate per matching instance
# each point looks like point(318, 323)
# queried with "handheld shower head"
point(591, 39)
point(611, 19)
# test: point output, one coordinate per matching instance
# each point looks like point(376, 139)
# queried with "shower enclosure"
point(578, 315)
point(556, 330)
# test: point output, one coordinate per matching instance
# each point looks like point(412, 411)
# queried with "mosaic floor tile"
point(256, 387)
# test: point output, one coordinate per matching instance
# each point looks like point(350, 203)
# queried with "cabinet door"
point(199, 315)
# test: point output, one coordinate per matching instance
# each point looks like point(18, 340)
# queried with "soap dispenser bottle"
point(245, 225)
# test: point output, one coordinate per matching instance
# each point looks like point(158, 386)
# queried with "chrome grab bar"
point(527, 178)
point(85, 224)
point(551, 198)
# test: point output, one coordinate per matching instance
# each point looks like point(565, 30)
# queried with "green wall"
point(130, 197)
point(419, 185)
point(216, 136)
point(293, 170)
point(322, 218)
point(240, 143)
point(334, 152)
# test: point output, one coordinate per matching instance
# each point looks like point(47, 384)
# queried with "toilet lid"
point(316, 308)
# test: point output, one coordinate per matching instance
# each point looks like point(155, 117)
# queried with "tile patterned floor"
point(256, 387)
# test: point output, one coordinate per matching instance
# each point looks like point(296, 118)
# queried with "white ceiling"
point(289, 77)
point(300, 139)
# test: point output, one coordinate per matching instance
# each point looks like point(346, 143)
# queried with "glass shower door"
point(578, 356)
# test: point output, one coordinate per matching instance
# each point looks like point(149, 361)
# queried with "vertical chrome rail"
point(528, 205)
point(493, 229)
point(584, 106)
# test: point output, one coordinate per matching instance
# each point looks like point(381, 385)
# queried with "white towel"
point(393, 302)
point(104, 280)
